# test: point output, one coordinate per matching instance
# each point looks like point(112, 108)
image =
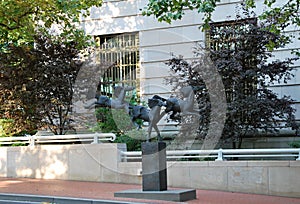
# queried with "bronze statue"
point(117, 103)
point(155, 116)
point(177, 107)
point(180, 107)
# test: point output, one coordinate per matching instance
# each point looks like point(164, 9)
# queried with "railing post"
point(95, 138)
point(31, 140)
point(298, 159)
point(220, 155)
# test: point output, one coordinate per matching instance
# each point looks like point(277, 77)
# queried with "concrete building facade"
point(156, 42)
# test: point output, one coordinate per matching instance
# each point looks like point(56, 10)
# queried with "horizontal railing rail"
point(32, 140)
point(219, 154)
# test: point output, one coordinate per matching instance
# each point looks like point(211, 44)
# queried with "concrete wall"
point(101, 163)
point(90, 162)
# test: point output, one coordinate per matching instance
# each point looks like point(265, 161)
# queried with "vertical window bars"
point(123, 51)
point(228, 36)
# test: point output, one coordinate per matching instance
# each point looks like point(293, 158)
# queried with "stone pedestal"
point(154, 166)
point(154, 175)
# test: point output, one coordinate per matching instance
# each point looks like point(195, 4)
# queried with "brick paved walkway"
point(105, 191)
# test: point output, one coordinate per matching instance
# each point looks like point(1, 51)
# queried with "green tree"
point(39, 44)
point(37, 84)
point(118, 122)
point(20, 19)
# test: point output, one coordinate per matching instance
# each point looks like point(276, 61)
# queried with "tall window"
point(228, 37)
point(229, 44)
point(122, 51)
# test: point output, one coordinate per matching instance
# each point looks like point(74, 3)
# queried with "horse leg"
point(158, 133)
point(149, 131)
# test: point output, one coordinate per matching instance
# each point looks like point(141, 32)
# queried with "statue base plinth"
point(179, 195)
point(154, 166)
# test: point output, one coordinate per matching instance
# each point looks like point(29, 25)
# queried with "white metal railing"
point(32, 140)
point(219, 154)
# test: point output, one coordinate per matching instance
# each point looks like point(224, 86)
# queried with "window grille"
point(121, 50)
point(227, 36)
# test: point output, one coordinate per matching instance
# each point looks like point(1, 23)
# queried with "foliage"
point(39, 46)
point(112, 120)
point(20, 19)
point(36, 83)
point(247, 71)
point(281, 16)
point(54, 76)
point(6, 127)
point(167, 11)
point(295, 144)
point(131, 143)
point(118, 122)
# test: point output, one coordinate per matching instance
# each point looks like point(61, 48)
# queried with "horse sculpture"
point(155, 116)
point(117, 103)
point(179, 107)
point(152, 116)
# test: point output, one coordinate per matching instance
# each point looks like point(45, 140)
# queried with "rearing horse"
point(177, 106)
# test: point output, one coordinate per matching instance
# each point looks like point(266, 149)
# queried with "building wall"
point(158, 41)
point(101, 163)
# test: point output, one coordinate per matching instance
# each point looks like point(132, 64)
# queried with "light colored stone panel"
point(155, 86)
point(171, 35)
point(248, 179)
point(297, 114)
point(130, 172)
point(3, 162)
point(292, 91)
point(227, 163)
point(112, 25)
point(149, 23)
point(130, 179)
point(130, 168)
point(149, 38)
point(284, 181)
point(156, 53)
point(208, 178)
point(187, 164)
point(152, 70)
point(114, 9)
point(109, 157)
point(23, 162)
point(193, 33)
point(295, 163)
point(282, 55)
point(84, 163)
point(190, 17)
point(179, 177)
point(53, 162)
point(109, 175)
point(186, 50)
point(268, 163)
point(165, 52)
point(224, 12)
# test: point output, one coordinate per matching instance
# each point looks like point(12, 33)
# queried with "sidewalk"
point(105, 191)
